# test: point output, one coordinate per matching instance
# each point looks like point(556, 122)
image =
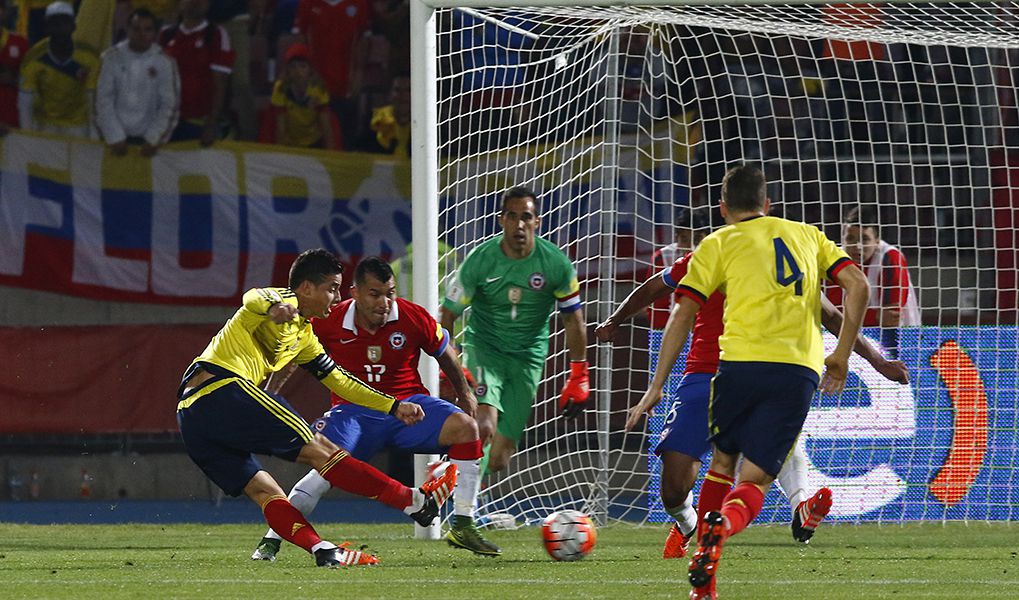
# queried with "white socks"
point(322, 544)
point(793, 476)
point(468, 483)
point(417, 501)
point(685, 515)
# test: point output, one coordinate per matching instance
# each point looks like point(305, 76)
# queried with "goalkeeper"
point(513, 282)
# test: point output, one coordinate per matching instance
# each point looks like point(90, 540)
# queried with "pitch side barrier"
point(942, 447)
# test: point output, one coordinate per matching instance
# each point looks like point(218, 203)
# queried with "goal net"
point(624, 120)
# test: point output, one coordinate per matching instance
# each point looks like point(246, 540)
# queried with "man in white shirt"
point(139, 89)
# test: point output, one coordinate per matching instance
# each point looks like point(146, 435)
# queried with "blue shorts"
point(758, 409)
point(364, 432)
point(227, 419)
point(686, 428)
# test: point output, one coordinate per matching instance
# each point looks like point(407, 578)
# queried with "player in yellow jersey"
point(225, 418)
point(772, 356)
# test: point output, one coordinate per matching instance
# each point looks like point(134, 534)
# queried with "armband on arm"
point(320, 366)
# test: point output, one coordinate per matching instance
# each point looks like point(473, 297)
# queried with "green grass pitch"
point(955, 560)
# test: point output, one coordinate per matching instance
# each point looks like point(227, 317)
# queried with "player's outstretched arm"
point(854, 283)
point(577, 389)
point(343, 384)
point(639, 299)
point(677, 329)
point(450, 365)
point(893, 370)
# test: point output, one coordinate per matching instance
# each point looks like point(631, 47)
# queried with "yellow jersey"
point(301, 115)
point(61, 89)
point(770, 271)
point(252, 346)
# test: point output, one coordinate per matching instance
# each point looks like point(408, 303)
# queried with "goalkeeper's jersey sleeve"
point(511, 299)
point(252, 346)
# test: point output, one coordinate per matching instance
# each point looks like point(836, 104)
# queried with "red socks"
point(741, 506)
point(466, 451)
point(713, 491)
point(289, 522)
point(351, 475)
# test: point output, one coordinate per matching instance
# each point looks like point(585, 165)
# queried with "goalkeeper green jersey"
point(512, 299)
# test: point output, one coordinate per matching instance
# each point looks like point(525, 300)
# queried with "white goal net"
point(622, 117)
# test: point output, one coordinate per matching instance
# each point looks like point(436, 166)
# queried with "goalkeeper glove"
point(576, 390)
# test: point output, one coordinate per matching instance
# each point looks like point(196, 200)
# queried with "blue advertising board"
point(945, 446)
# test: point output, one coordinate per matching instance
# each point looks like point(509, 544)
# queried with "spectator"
point(13, 48)
point(332, 29)
point(238, 17)
point(281, 20)
point(164, 10)
point(205, 60)
point(139, 89)
point(392, 21)
point(860, 77)
point(391, 123)
point(58, 79)
point(301, 104)
point(893, 302)
point(34, 12)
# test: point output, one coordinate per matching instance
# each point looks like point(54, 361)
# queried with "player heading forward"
point(771, 351)
point(225, 418)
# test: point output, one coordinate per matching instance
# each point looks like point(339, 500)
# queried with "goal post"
point(624, 115)
point(424, 204)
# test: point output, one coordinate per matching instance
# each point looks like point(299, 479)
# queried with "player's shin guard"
point(290, 523)
point(793, 477)
point(349, 474)
point(741, 506)
point(466, 457)
point(713, 491)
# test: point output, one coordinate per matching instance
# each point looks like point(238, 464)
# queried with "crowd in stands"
point(330, 74)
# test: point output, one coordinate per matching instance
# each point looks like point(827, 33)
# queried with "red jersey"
point(707, 328)
point(12, 50)
point(890, 287)
point(387, 360)
point(332, 27)
point(199, 52)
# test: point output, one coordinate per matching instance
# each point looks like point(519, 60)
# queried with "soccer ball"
point(568, 535)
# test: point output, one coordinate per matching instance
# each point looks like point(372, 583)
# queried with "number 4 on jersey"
point(784, 257)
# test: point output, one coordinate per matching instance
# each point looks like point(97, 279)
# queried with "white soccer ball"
point(568, 535)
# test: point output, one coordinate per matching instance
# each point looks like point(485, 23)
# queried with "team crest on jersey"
point(481, 390)
point(375, 353)
point(397, 340)
point(537, 281)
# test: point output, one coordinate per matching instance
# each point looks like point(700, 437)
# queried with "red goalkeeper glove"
point(576, 390)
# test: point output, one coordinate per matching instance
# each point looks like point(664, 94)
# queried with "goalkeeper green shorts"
point(508, 385)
